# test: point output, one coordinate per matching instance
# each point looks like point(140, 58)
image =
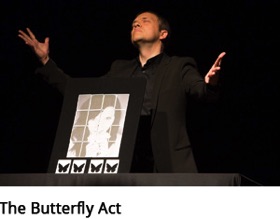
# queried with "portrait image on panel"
point(98, 125)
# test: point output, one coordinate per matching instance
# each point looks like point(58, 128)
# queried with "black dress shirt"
point(143, 156)
point(148, 72)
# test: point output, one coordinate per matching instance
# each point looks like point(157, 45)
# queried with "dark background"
point(238, 134)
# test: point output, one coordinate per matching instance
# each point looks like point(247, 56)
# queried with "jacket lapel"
point(160, 74)
point(129, 71)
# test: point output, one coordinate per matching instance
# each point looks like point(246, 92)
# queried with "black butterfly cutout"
point(78, 168)
point(62, 168)
point(95, 168)
point(111, 168)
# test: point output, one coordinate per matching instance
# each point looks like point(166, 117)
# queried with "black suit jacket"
point(177, 80)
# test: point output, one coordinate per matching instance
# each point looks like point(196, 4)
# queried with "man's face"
point(145, 28)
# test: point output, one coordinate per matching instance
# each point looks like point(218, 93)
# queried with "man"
point(162, 143)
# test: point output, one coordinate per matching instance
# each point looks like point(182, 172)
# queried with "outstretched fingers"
point(30, 33)
point(212, 75)
point(218, 61)
point(29, 38)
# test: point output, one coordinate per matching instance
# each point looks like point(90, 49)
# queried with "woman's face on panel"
point(103, 121)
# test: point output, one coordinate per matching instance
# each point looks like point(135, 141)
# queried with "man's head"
point(149, 27)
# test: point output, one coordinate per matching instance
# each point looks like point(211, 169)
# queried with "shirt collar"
point(154, 60)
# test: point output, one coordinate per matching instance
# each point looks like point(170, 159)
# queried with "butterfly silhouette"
point(78, 168)
point(95, 168)
point(62, 168)
point(111, 168)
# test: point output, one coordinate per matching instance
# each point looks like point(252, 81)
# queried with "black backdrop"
point(238, 134)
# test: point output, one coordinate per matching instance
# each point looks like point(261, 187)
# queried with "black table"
point(127, 179)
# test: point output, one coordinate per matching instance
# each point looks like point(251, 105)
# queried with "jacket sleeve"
point(53, 75)
point(194, 83)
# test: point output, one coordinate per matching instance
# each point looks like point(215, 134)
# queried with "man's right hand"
point(40, 49)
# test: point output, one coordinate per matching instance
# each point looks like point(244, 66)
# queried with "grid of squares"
point(98, 125)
